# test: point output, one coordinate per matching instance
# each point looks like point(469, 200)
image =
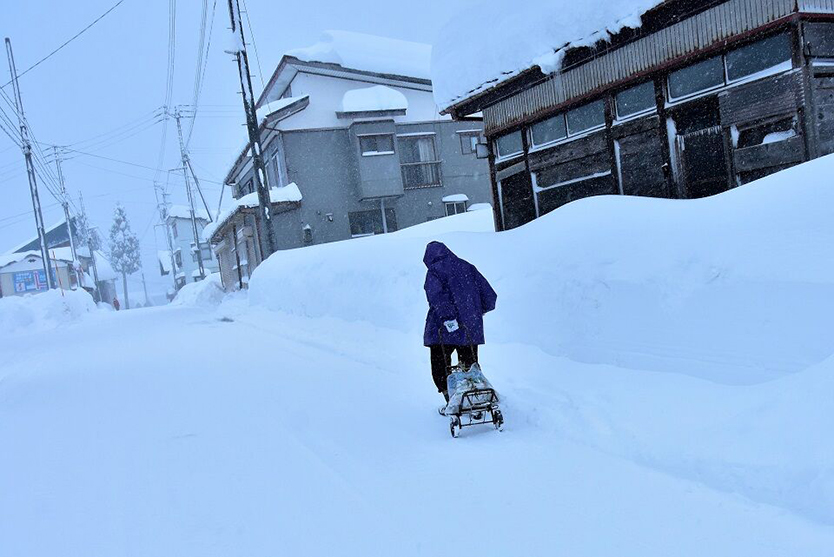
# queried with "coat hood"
point(436, 251)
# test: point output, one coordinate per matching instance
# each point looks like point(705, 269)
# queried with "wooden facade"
point(707, 96)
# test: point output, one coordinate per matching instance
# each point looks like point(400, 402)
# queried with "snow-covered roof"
point(56, 254)
point(266, 109)
point(10, 258)
point(480, 207)
point(286, 194)
point(359, 51)
point(183, 212)
point(456, 198)
point(61, 254)
point(164, 257)
point(105, 270)
point(373, 99)
point(496, 41)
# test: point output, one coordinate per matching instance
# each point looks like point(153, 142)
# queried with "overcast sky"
point(112, 78)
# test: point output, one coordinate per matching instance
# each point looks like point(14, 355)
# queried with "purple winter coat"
point(455, 289)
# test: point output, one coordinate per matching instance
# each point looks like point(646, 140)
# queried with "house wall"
point(183, 241)
point(706, 144)
point(7, 276)
point(327, 166)
point(326, 96)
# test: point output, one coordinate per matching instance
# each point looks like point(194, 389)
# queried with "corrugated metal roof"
point(706, 29)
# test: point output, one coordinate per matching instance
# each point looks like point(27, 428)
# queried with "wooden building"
point(704, 96)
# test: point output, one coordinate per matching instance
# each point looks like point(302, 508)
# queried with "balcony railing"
point(418, 175)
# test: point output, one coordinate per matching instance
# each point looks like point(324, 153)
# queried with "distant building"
point(691, 99)
point(183, 261)
point(354, 146)
point(21, 269)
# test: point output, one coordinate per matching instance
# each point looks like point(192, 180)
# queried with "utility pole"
point(194, 228)
point(163, 215)
point(26, 146)
point(145, 288)
point(90, 247)
point(65, 204)
point(266, 234)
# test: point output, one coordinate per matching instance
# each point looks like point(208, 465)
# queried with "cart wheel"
point(453, 427)
point(498, 420)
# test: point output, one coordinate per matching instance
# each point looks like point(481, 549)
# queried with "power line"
point(203, 50)
point(254, 44)
point(45, 58)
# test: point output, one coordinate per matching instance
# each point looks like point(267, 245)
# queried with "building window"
point(368, 223)
point(371, 145)
point(509, 145)
point(178, 258)
point(758, 57)
point(174, 229)
point(580, 120)
point(248, 187)
point(699, 77)
point(549, 131)
point(469, 142)
point(636, 100)
point(418, 162)
point(767, 56)
point(455, 208)
point(587, 117)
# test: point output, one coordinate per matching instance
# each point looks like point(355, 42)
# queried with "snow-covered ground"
point(666, 368)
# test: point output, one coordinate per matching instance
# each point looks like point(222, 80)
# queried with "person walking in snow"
point(116, 304)
point(459, 296)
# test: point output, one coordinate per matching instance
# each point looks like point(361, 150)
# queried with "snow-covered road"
point(173, 431)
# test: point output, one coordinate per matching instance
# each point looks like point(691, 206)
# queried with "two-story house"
point(354, 146)
point(184, 256)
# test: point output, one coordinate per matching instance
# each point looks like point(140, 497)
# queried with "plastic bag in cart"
point(461, 381)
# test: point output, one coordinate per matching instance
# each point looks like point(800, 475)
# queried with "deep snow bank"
point(737, 288)
point(36, 312)
point(206, 293)
point(733, 290)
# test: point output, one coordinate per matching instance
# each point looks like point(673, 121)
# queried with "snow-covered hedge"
point(47, 310)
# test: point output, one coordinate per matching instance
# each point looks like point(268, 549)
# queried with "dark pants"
point(441, 361)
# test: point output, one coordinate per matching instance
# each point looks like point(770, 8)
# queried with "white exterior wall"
point(183, 242)
point(326, 98)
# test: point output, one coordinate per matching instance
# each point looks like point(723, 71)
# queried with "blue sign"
point(31, 281)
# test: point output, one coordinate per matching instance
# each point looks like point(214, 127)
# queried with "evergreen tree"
point(86, 236)
point(124, 249)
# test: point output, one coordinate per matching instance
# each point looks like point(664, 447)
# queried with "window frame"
point(365, 136)
point(536, 146)
point(500, 157)
point(782, 67)
point(625, 118)
point(435, 164)
point(390, 217)
point(588, 130)
point(570, 136)
point(455, 205)
point(468, 147)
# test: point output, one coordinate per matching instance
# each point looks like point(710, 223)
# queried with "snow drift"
point(207, 293)
point(44, 311)
point(736, 288)
point(715, 294)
